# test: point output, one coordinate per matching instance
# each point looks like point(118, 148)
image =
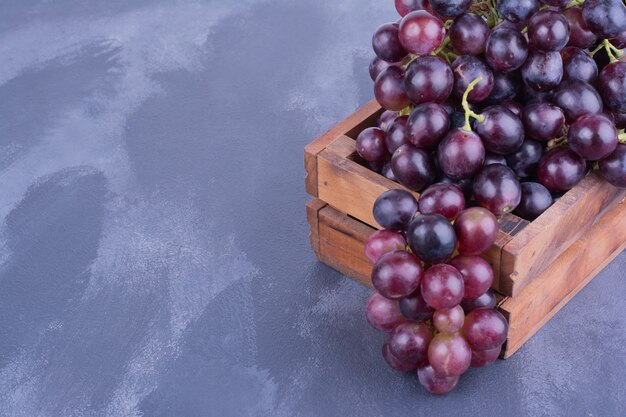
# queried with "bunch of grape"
point(437, 308)
point(514, 101)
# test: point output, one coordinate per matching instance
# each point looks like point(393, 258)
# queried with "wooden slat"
point(313, 208)
point(533, 249)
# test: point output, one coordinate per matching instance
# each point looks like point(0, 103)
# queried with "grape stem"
point(612, 51)
point(575, 3)
point(465, 103)
point(622, 137)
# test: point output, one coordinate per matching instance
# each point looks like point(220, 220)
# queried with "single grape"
point(613, 167)
point(445, 199)
point(389, 89)
point(413, 167)
point(375, 166)
point(405, 7)
point(525, 160)
point(505, 86)
point(431, 237)
point(449, 321)
point(619, 41)
point(500, 130)
point(421, 32)
point(548, 31)
point(494, 158)
point(435, 383)
point(466, 69)
point(560, 169)
point(543, 71)
point(506, 49)
point(386, 118)
point(517, 11)
point(592, 136)
point(397, 274)
point(579, 34)
point(535, 200)
point(450, 8)
point(605, 18)
point(377, 66)
point(476, 229)
point(386, 43)
point(578, 65)
point(409, 342)
point(442, 287)
point(543, 121)
point(383, 241)
point(428, 79)
point(396, 363)
point(575, 98)
point(382, 313)
point(415, 308)
point(482, 358)
point(620, 120)
point(394, 209)
point(468, 34)
point(428, 123)
point(487, 300)
point(497, 189)
point(477, 274)
point(449, 354)
point(485, 329)
point(461, 154)
point(397, 134)
point(370, 144)
point(514, 107)
point(612, 86)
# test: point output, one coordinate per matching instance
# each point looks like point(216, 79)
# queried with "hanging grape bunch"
point(500, 106)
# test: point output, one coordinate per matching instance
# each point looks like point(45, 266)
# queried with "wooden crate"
point(522, 251)
point(339, 240)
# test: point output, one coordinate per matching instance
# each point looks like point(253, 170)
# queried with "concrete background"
point(154, 256)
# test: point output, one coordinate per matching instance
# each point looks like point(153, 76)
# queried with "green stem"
point(575, 3)
point(443, 46)
point(468, 112)
point(613, 52)
point(622, 137)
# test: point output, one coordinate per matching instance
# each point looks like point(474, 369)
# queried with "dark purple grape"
point(485, 329)
point(466, 69)
point(505, 86)
point(482, 358)
point(457, 120)
point(386, 43)
point(461, 154)
point(415, 308)
point(592, 136)
point(428, 79)
point(612, 86)
point(477, 274)
point(561, 169)
point(535, 200)
point(517, 11)
point(487, 300)
point(389, 89)
point(605, 18)
point(613, 167)
point(543, 121)
point(476, 229)
point(394, 209)
point(397, 274)
point(442, 287)
point(432, 238)
point(620, 120)
point(514, 107)
point(409, 342)
point(421, 32)
point(445, 199)
point(579, 34)
point(413, 167)
point(450, 8)
point(528, 95)
point(428, 123)
point(576, 98)
point(525, 160)
point(396, 363)
point(468, 34)
point(500, 130)
point(449, 354)
point(506, 49)
point(497, 189)
point(543, 71)
point(377, 66)
point(386, 118)
point(382, 313)
point(387, 172)
point(548, 31)
point(397, 134)
point(449, 321)
point(465, 185)
point(494, 158)
point(578, 65)
point(435, 383)
point(383, 241)
point(370, 144)
point(376, 166)
point(619, 41)
point(405, 7)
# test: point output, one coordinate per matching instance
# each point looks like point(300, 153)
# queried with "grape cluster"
point(437, 308)
point(514, 101)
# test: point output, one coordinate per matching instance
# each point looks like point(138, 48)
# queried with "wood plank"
point(548, 236)
point(531, 308)
point(313, 208)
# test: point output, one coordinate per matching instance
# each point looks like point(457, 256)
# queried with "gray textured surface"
point(153, 246)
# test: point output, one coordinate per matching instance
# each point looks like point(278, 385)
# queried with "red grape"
point(500, 130)
point(476, 229)
point(592, 136)
point(383, 241)
point(578, 65)
point(394, 209)
point(613, 167)
point(377, 66)
point(405, 7)
point(517, 11)
point(576, 97)
point(579, 36)
point(415, 308)
point(482, 358)
point(389, 89)
point(412, 167)
point(449, 321)
point(605, 18)
point(397, 134)
point(461, 154)
point(612, 86)
point(450, 8)
point(487, 300)
point(409, 342)
point(386, 43)
point(485, 329)
point(468, 34)
point(506, 49)
point(449, 354)
point(435, 383)
point(548, 30)
point(466, 69)
point(497, 189)
point(428, 79)
point(561, 169)
point(543, 121)
point(494, 158)
point(397, 274)
point(370, 144)
point(442, 287)
point(445, 199)
point(477, 274)
point(525, 160)
point(535, 200)
point(543, 71)
point(396, 363)
point(421, 32)
point(428, 123)
point(431, 237)
point(505, 86)
point(386, 118)
point(382, 313)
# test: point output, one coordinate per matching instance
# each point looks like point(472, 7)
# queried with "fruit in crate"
point(491, 107)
